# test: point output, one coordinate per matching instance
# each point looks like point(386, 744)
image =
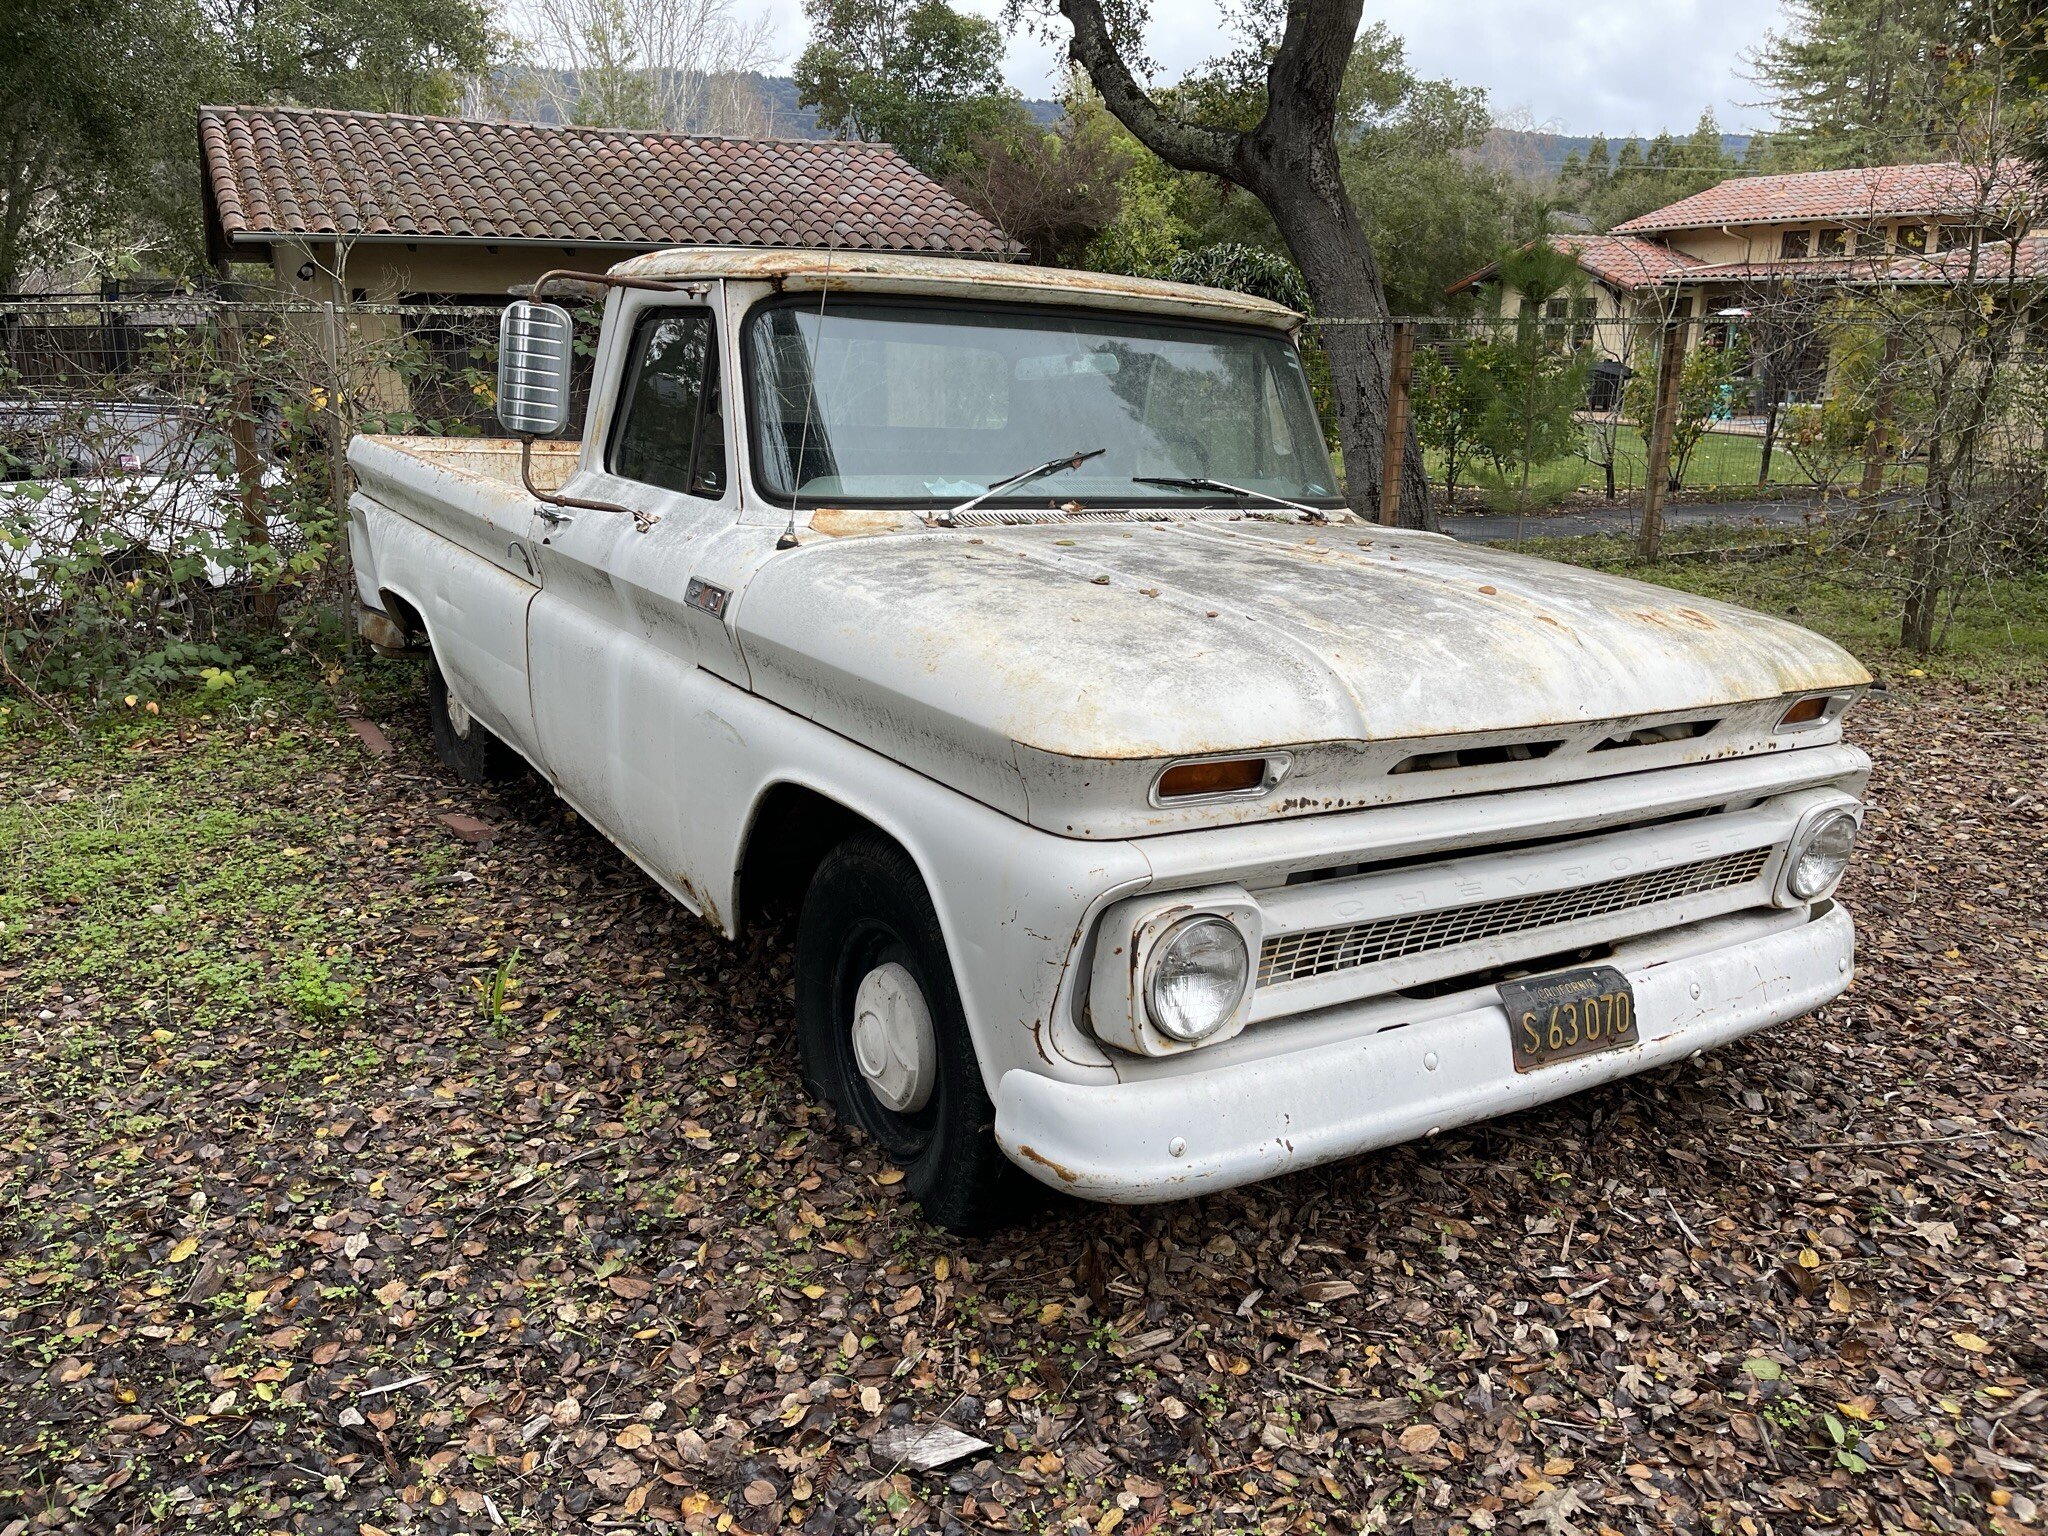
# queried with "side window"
point(671, 431)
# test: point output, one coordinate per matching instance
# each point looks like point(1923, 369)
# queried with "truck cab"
point(1152, 824)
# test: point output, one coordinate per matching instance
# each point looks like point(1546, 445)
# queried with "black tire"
point(866, 907)
point(474, 756)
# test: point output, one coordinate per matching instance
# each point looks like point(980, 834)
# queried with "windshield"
point(887, 401)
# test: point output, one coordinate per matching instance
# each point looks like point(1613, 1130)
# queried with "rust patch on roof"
point(856, 271)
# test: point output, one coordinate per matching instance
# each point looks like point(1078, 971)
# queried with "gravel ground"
point(354, 1179)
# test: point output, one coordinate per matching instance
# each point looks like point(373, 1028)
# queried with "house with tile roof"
point(379, 208)
point(1752, 241)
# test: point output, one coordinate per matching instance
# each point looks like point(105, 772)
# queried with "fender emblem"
point(702, 594)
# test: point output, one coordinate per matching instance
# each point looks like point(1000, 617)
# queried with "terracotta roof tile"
point(1875, 192)
point(294, 171)
point(1620, 260)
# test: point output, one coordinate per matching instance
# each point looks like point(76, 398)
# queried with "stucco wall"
point(381, 273)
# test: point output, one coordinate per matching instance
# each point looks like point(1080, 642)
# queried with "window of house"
point(1870, 242)
point(1832, 242)
point(1584, 312)
point(1950, 237)
point(1912, 237)
point(671, 431)
point(1557, 311)
point(1795, 244)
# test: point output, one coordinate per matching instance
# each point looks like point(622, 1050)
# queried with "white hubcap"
point(893, 1040)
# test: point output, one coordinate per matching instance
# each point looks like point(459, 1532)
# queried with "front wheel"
point(884, 1039)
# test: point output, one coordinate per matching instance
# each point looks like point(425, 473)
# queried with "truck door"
point(615, 643)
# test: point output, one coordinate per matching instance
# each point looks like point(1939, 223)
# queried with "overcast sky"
point(1567, 65)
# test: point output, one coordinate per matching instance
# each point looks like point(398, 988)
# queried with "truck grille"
point(1319, 951)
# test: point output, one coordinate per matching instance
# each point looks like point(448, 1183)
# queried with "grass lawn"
point(1844, 582)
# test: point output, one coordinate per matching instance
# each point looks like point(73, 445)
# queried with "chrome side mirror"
point(533, 368)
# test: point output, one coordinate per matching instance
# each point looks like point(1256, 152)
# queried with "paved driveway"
point(1492, 528)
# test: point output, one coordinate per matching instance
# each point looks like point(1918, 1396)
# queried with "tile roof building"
point(388, 205)
point(1740, 243)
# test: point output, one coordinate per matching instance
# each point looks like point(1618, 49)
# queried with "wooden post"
point(1400, 370)
point(1879, 441)
point(1663, 416)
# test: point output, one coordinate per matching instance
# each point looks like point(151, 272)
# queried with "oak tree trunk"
point(1289, 163)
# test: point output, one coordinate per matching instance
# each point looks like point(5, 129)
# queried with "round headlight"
point(1196, 978)
point(1821, 855)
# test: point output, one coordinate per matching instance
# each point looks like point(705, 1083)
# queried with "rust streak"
point(1060, 1170)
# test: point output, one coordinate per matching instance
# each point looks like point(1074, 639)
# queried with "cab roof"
point(947, 276)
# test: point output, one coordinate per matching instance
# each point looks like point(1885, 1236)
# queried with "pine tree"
point(1866, 82)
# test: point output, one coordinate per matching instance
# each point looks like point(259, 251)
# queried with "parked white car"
point(1154, 826)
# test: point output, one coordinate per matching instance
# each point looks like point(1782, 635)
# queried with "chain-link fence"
point(1926, 405)
point(1560, 404)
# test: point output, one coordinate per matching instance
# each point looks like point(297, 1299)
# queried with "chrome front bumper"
point(1170, 1136)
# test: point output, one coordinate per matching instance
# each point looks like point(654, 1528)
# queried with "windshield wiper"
point(1025, 477)
point(1204, 483)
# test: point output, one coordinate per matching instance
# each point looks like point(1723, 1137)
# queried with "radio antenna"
point(803, 444)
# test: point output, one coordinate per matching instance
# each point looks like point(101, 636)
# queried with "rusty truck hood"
point(1120, 642)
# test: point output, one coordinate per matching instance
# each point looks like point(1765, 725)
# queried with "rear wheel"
point(884, 1039)
point(463, 743)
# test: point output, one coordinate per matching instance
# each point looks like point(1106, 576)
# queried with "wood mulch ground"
point(355, 1178)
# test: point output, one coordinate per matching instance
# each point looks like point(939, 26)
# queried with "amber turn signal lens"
point(1805, 712)
point(1228, 777)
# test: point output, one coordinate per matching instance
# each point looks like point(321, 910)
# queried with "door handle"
point(553, 518)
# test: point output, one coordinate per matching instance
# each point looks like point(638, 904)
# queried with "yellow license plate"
point(1573, 1013)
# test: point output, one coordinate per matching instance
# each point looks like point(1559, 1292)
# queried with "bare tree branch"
point(1187, 146)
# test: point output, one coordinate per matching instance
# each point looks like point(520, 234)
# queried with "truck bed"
point(483, 458)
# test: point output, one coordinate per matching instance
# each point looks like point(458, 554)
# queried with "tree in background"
point(1612, 188)
point(1273, 119)
point(1528, 384)
point(1448, 392)
point(373, 55)
point(1869, 82)
point(1057, 189)
point(1431, 211)
point(1706, 388)
point(914, 73)
point(97, 165)
point(680, 66)
point(92, 87)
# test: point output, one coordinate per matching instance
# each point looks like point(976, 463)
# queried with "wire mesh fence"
point(1530, 411)
point(166, 464)
point(166, 460)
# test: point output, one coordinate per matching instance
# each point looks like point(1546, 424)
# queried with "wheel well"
point(793, 829)
point(405, 616)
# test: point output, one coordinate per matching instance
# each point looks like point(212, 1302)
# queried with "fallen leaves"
point(610, 1268)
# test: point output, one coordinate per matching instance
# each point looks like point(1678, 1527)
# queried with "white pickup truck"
point(1153, 825)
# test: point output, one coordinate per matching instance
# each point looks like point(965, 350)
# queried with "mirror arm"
point(641, 520)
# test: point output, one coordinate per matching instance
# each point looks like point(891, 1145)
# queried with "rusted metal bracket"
point(641, 520)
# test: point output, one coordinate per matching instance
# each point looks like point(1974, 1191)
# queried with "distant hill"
point(1531, 155)
point(1540, 156)
point(790, 121)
